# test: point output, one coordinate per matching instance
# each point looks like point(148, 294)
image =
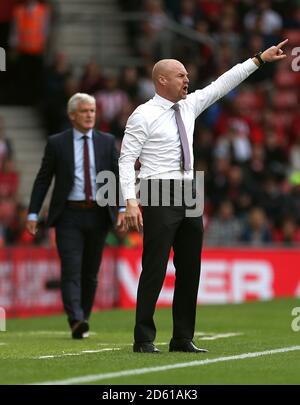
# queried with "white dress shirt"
point(152, 135)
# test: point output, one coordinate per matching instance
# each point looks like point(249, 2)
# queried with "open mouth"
point(185, 88)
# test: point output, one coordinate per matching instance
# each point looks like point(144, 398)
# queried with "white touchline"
point(220, 336)
point(54, 356)
point(200, 335)
point(215, 336)
point(46, 332)
point(140, 371)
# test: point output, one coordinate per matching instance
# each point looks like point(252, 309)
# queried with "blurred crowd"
point(248, 143)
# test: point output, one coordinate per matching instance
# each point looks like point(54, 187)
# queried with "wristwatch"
point(258, 57)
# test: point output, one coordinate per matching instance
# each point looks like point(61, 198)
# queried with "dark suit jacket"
point(58, 162)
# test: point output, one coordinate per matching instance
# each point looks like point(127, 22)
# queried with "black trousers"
point(80, 238)
point(164, 228)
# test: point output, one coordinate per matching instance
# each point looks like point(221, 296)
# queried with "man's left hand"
point(274, 53)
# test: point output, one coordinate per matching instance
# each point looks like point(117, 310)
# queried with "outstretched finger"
point(281, 44)
point(279, 57)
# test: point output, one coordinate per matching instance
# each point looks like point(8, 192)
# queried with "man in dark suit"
point(74, 158)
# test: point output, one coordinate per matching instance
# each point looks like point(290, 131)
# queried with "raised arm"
point(202, 99)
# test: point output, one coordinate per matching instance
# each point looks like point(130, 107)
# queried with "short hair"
point(79, 98)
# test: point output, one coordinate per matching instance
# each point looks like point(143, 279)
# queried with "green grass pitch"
point(225, 330)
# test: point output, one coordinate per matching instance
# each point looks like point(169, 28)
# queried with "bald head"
point(170, 79)
point(164, 67)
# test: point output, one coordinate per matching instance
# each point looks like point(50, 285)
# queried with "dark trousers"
point(80, 238)
point(164, 228)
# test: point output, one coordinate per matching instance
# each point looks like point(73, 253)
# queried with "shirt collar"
point(163, 102)
point(78, 135)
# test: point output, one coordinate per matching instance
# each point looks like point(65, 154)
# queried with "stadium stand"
point(248, 143)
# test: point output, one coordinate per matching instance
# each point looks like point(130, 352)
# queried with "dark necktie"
point(86, 170)
point(183, 139)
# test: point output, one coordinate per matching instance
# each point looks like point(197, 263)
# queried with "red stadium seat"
point(253, 100)
point(287, 79)
point(283, 120)
point(285, 100)
point(293, 35)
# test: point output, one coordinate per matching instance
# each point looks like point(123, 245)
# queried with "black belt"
point(82, 204)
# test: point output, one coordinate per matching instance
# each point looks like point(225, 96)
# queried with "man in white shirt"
point(160, 134)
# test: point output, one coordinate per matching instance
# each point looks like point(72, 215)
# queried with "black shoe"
point(185, 346)
point(145, 348)
point(80, 330)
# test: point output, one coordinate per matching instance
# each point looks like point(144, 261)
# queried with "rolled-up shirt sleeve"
point(202, 99)
point(134, 138)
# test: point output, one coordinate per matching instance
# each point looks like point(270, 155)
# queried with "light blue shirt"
point(77, 192)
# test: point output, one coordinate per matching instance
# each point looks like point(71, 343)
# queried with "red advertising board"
point(29, 278)
point(227, 276)
point(29, 281)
